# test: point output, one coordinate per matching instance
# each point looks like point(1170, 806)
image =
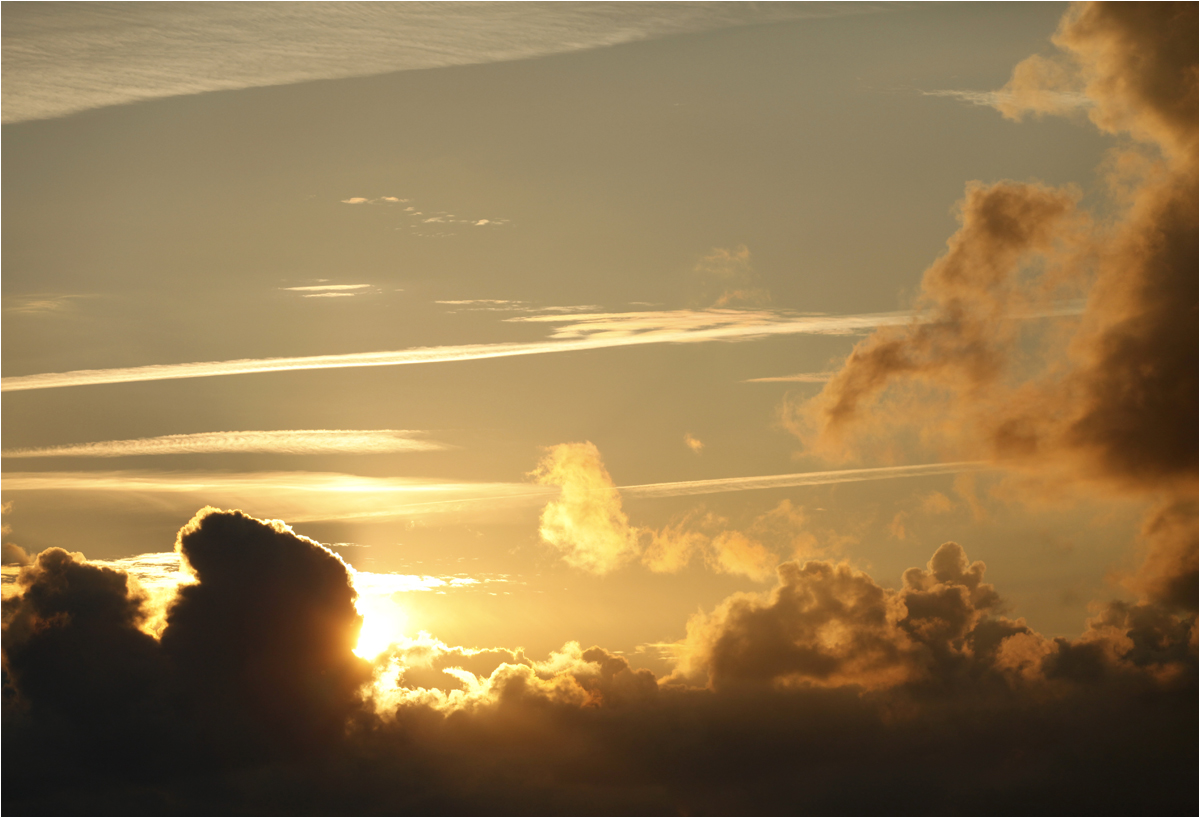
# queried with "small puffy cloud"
point(14, 554)
point(588, 525)
point(936, 503)
point(355, 200)
point(693, 443)
point(724, 278)
point(586, 522)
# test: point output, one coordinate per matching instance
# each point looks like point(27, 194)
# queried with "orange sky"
point(633, 365)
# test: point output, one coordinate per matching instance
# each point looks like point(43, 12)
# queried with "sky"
point(489, 407)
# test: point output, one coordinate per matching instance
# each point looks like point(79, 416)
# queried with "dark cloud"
point(828, 693)
point(263, 643)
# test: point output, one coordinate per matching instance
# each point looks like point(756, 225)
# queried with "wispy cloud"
point(384, 200)
point(279, 441)
point(312, 496)
point(39, 304)
point(814, 478)
point(316, 288)
point(1064, 100)
point(801, 377)
point(64, 59)
point(580, 332)
point(295, 496)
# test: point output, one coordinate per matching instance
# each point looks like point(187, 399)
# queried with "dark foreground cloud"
point(828, 693)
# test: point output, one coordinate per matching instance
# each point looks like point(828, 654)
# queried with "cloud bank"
point(251, 699)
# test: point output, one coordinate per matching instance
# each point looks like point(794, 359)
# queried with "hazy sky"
point(569, 323)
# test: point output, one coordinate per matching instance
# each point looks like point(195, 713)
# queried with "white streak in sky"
point(581, 332)
point(802, 377)
point(315, 496)
point(994, 99)
point(280, 441)
point(326, 287)
point(779, 481)
point(59, 58)
point(163, 572)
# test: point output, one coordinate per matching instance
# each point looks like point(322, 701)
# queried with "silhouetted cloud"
point(253, 700)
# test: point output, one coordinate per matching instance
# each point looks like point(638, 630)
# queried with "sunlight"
point(383, 625)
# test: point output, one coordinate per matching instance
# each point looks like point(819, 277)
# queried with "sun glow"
point(383, 625)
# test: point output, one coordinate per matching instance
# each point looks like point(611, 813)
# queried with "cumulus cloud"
point(1119, 400)
point(252, 696)
point(693, 443)
point(587, 523)
point(1112, 404)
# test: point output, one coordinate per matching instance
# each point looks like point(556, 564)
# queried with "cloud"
point(586, 522)
point(303, 496)
point(1113, 404)
point(298, 495)
point(1047, 101)
point(802, 377)
point(817, 478)
point(693, 443)
point(280, 441)
point(724, 278)
point(318, 288)
point(591, 331)
point(78, 59)
point(41, 304)
point(1116, 402)
point(253, 696)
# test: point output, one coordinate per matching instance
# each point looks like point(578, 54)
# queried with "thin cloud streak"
point(326, 287)
point(802, 377)
point(279, 441)
point(582, 332)
point(1066, 100)
point(319, 496)
point(816, 478)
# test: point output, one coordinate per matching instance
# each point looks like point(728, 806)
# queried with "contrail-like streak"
point(813, 478)
point(314, 496)
point(279, 441)
point(724, 326)
point(580, 333)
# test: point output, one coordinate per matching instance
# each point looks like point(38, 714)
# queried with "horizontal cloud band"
point(313, 496)
point(278, 441)
point(598, 331)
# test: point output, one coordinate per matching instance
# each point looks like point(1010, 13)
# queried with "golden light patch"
point(384, 623)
